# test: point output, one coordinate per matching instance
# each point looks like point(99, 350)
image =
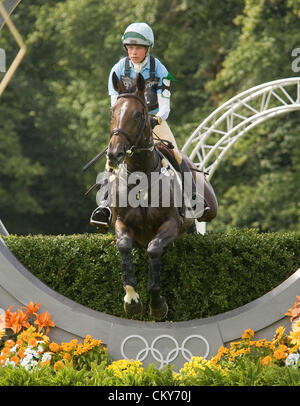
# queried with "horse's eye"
point(137, 115)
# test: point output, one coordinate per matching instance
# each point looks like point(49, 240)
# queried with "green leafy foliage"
point(246, 373)
point(201, 276)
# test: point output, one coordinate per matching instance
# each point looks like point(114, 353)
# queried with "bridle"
point(142, 125)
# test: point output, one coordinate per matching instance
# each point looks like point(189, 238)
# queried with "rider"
point(137, 40)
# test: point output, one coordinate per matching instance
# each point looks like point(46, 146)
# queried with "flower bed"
point(29, 357)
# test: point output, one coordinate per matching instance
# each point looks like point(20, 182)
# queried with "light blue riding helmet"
point(138, 34)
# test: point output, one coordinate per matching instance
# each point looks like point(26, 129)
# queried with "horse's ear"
point(140, 84)
point(117, 83)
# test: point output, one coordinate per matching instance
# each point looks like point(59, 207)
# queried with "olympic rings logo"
point(157, 354)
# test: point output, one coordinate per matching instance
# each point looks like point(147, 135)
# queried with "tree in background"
point(259, 181)
point(55, 114)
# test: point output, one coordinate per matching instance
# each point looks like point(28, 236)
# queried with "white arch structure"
point(209, 143)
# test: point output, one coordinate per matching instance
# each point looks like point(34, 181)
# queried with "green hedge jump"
point(202, 275)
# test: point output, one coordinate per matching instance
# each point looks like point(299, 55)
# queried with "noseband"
point(142, 125)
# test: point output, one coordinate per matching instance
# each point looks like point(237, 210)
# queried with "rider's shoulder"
point(160, 67)
point(119, 65)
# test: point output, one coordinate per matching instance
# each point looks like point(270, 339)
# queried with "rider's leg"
point(164, 132)
point(193, 193)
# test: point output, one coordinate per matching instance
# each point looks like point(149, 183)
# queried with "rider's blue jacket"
point(154, 73)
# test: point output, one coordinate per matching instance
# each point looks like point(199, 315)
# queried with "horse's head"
point(129, 122)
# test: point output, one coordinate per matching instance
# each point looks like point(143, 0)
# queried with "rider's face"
point(137, 53)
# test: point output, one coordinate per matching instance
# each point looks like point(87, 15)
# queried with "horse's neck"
point(145, 161)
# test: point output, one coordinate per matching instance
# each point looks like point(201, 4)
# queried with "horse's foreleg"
point(166, 234)
point(132, 303)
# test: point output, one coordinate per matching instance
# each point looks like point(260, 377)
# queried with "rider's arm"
point(163, 92)
point(163, 106)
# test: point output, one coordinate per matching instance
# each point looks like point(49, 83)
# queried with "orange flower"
point(267, 360)
point(294, 312)
point(44, 320)
point(11, 320)
point(279, 354)
point(5, 351)
point(15, 359)
point(21, 352)
point(43, 363)
point(9, 343)
point(19, 342)
point(67, 356)
point(32, 342)
point(2, 359)
point(54, 347)
point(58, 365)
point(16, 321)
point(32, 308)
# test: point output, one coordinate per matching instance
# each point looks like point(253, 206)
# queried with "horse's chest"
point(146, 220)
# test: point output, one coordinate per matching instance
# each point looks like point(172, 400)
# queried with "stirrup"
point(103, 220)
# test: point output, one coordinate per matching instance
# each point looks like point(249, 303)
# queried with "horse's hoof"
point(161, 311)
point(132, 303)
point(133, 308)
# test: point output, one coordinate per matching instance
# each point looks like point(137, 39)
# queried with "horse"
point(131, 149)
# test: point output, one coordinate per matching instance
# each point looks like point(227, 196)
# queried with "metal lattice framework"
point(6, 7)
point(220, 130)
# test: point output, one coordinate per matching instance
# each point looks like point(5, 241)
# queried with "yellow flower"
point(296, 326)
point(248, 334)
point(278, 334)
point(294, 348)
point(41, 337)
point(2, 332)
point(123, 366)
point(295, 337)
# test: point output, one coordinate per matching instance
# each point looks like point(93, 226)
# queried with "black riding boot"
point(195, 197)
point(101, 216)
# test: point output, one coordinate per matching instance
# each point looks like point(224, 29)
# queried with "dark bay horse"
point(131, 149)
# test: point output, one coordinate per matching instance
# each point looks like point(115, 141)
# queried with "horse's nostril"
point(120, 156)
point(115, 157)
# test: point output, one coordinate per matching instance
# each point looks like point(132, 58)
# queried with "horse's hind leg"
point(132, 303)
point(166, 234)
